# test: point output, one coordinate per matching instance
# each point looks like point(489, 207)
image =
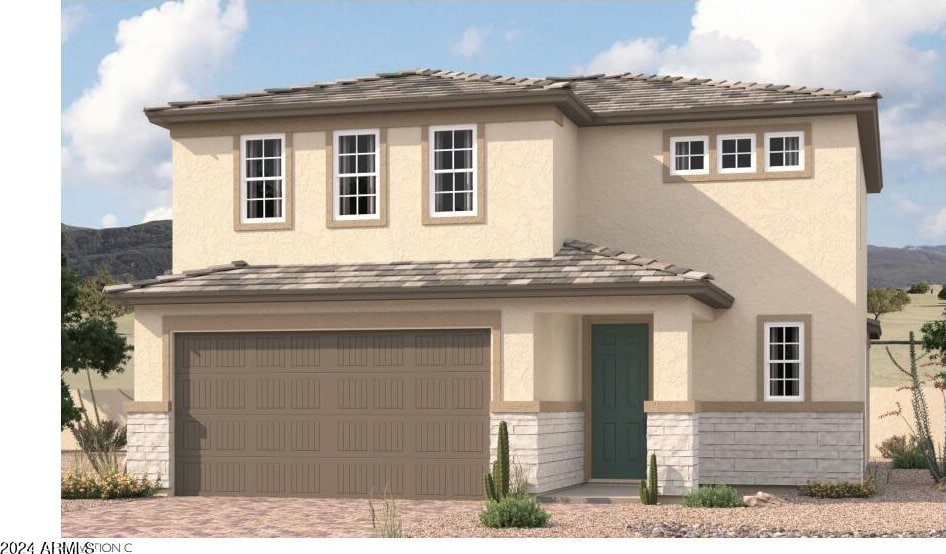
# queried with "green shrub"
point(514, 511)
point(911, 458)
point(648, 488)
point(919, 288)
point(713, 496)
point(894, 446)
point(78, 484)
point(101, 443)
point(839, 489)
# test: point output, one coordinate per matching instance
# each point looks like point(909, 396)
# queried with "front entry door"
point(619, 384)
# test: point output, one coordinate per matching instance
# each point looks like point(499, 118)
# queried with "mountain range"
point(143, 251)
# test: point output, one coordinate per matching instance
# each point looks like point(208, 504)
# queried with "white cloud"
point(70, 18)
point(155, 214)
point(903, 206)
point(512, 35)
point(163, 54)
point(934, 226)
point(109, 221)
point(837, 44)
point(638, 55)
point(471, 43)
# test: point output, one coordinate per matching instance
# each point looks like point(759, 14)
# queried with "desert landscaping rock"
point(900, 511)
point(762, 500)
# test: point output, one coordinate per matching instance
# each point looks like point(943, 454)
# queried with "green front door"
point(618, 390)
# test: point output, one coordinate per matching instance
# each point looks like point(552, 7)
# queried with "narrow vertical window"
point(689, 155)
point(784, 151)
point(784, 360)
point(736, 153)
point(262, 195)
point(356, 175)
point(453, 171)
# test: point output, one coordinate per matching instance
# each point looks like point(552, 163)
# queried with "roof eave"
point(564, 99)
point(704, 291)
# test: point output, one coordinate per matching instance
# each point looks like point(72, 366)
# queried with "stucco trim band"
point(147, 407)
point(534, 406)
point(695, 406)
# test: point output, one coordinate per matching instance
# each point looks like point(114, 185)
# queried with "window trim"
point(752, 152)
point(706, 155)
point(240, 221)
point(671, 133)
point(801, 151)
point(766, 328)
point(432, 171)
point(806, 370)
point(378, 172)
point(480, 182)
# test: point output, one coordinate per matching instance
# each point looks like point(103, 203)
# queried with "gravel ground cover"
point(902, 510)
point(908, 506)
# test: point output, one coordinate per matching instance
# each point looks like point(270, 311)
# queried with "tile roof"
point(577, 267)
point(602, 95)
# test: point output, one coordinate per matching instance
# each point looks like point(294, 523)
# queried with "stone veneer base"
point(548, 445)
point(149, 446)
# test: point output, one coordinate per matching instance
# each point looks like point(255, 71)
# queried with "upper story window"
point(690, 155)
point(784, 360)
point(356, 167)
point(736, 153)
point(453, 171)
point(784, 151)
point(262, 190)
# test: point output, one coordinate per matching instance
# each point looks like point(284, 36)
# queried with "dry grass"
point(897, 326)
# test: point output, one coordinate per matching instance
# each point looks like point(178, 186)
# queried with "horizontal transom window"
point(689, 155)
point(736, 153)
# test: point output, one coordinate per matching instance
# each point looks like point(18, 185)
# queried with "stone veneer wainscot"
point(149, 445)
point(548, 445)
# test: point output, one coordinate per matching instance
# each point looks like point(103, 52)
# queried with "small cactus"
point(648, 489)
point(497, 484)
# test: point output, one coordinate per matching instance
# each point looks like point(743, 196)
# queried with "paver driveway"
point(189, 516)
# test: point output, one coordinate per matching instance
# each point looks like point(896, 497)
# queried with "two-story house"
point(614, 265)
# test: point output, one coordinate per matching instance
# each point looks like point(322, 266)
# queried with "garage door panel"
point(332, 413)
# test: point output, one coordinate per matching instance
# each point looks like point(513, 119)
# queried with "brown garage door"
point(332, 413)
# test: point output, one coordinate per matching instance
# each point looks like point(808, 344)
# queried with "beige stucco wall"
point(539, 343)
point(519, 161)
point(779, 246)
point(567, 185)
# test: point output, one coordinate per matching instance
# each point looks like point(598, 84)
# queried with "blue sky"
point(115, 165)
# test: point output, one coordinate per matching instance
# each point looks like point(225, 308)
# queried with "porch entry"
point(619, 386)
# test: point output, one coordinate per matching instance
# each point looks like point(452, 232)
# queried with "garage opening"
point(332, 413)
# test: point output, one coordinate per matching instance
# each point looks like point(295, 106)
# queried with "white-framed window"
point(452, 171)
point(735, 153)
point(785, 151)
point(689, 155)
point(262, 180)
point(356, 192)
point(784, 362)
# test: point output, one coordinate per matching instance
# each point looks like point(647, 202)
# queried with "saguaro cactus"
point(648, 489)
point(497, 483)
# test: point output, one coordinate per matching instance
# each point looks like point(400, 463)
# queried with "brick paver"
point(242, 517)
